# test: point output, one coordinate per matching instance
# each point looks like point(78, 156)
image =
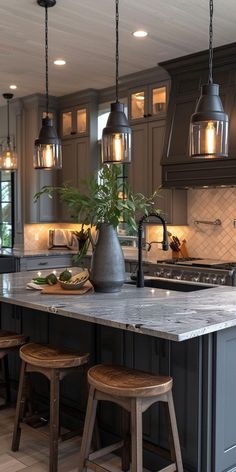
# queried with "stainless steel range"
point(203, 271)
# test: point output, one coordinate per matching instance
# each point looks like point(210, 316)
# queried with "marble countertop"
point(165, 314)
point(36, 253)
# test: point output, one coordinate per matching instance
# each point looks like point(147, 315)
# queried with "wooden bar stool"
point(135, 391)
point(55, 363)
point(9, 342)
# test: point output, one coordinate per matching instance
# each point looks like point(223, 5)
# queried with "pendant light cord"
point(46, 56)
point(117, 51)
point(8, 123)
point(210, 78)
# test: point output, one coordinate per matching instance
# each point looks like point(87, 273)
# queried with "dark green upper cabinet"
point(187, 75)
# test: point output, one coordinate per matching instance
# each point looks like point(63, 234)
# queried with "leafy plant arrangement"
point(107, 200)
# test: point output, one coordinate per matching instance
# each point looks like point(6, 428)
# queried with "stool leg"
point(175, 435)
point(54, 420)
point(19, 410)
point(7, 380)
point(125, 453)
point(136, 435)
point(88, 429)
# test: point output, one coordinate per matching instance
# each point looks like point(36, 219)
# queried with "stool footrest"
point(105, 450)
point(95, 467)
point(170, 468)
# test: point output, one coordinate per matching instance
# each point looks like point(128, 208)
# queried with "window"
point(127, 237)
point(6, 209)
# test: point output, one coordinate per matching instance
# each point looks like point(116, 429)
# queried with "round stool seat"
point(9, 339)
point(51, 356)
point(125, 382)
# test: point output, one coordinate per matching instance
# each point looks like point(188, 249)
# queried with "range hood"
point(188, 74)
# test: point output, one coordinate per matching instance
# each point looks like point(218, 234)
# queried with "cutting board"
point(58, 290)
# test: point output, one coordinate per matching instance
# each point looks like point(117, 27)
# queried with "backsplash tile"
point(36, 235)
point(205, 241)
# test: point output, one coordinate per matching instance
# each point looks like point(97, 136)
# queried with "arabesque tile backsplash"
point(205, 241)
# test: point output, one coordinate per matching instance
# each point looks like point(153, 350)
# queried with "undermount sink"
point(176, 285)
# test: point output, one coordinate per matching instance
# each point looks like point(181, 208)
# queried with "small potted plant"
point(104, 203)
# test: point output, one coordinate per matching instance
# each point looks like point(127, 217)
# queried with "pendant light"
point(209, 123)
point(8, 158)
point(47, 153)
point(116, 136)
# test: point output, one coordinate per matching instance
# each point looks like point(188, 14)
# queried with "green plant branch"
point(100, 202)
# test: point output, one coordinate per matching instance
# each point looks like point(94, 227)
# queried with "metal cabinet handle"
point(42, 263)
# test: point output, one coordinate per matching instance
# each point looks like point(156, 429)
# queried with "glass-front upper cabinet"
point(158, 100)
point(81, 120)
point(66, 123)
point(74, 122)
point(149, 102)
point(138, 104)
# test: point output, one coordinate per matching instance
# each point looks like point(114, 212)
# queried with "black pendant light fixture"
point(209, 123)
point(47, 153)
point(116, 136)
point(8, 157)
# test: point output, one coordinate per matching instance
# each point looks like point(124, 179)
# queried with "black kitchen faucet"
point(165, 244)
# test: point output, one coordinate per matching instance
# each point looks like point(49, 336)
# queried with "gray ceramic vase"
point(107, 266)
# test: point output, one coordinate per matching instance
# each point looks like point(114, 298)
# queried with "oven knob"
point(169, 274)
point(178, 276)
point(214, 279)
point(196, 277)
point(222, 279)
point(206, 279)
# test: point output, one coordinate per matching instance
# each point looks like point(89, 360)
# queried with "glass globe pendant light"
point(209, 123)
point(8, 158)
point(116, 136)
point(47, 148)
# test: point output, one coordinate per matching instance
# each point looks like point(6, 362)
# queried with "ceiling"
point(82, 32)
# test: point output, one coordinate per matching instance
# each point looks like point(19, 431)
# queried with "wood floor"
point(33, 453)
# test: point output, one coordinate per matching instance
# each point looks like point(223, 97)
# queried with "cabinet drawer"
point(50, 262)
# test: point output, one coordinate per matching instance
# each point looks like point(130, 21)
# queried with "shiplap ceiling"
point(82, 32)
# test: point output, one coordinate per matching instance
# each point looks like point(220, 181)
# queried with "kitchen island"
point(191, 336)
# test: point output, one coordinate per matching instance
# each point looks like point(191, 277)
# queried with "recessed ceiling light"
point(13, 87)
point(140, 34)
point(59, 62)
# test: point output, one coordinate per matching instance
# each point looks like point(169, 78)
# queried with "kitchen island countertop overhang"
point(175, 316)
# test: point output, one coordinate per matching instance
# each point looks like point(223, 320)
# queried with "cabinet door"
point(158, 97)
point(11, 321)
point(78, 335)
point(35, 326)
point(111, 350)
point(68, 173)
point(82, 120)
point(47, 206)
point(138, 104)
point(66, 123)
point(138, 170)
point(83, 168)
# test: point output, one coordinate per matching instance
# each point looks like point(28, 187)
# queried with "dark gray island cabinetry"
point(190, 336)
